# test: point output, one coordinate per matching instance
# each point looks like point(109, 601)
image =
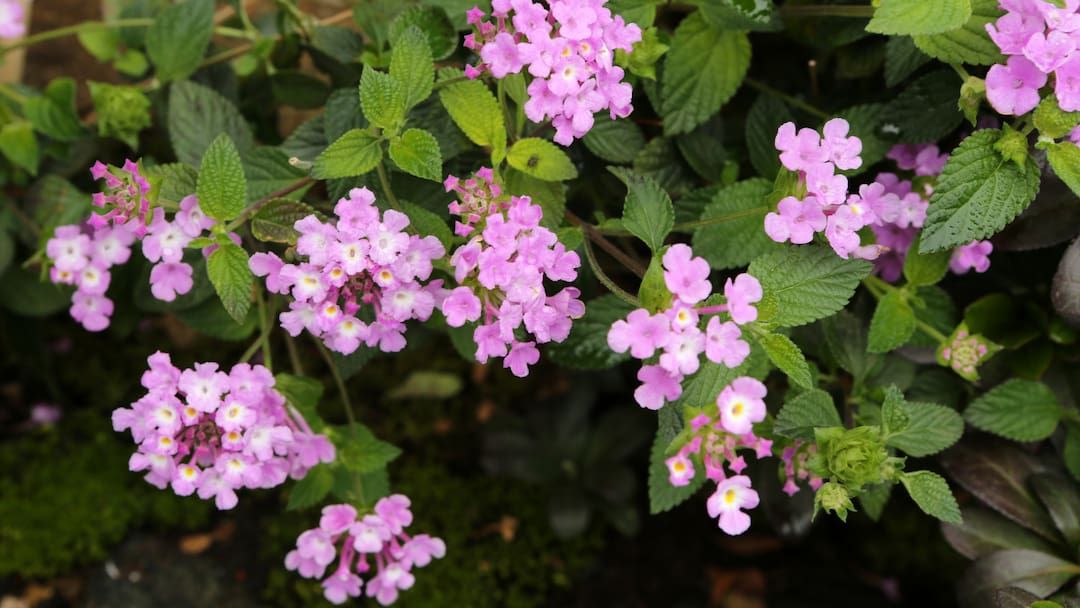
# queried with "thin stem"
point(251, 350)
point(384, 181)
point(930, 331)
point(606, 281)
point(71, 30)
point(826, 11)
point(294, 356)
point(339, 382)
point(878, 288)
point(12, 94)
point(594, 235)
point(264, 329)
point(777, 93)
point(450, 81)
point(719, 219)
point(247, 212)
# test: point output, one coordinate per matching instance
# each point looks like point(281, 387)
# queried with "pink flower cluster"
point(899, 210)
point(209, 432)
point(713, 441)
point(824, 205)
point(796, 459)
point(12, 19)
point(569, 48)
point(363, 258)
point(676, 333)
point(1040, 39)
point(501, 272)
point(83, 257)
point(380, 534)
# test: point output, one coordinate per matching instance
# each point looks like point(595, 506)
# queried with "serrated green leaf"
point(931, 428)
point(361, 452)
point(586, 347)
point(541, 159)
point(786, 356)
point(931, 492)
point(475, 111)
point(382, 98)
point(1051, 120)
point(268, 171)
point(433, 22)
point(178, 38)
point(874, 498)
point(703, 69)
point(735, 234)
point(969, 43)
point(427, 223)
point(804, 284)
point(411, 65)
point(799, 416)
point(752, 15)
point(902, 58)
point(222, 187)
point(19, 145)
point(342, 115)
point(197, 115)
point(922, 269)
point(1065, 160)
point(977, 194)
point(232, 279)
point(927, 109)
point(903, 17)
point(177, 180)
point(894, 412)
point(54, 112)
point(765, 117)
point(616, 141)
point(653, 292)
point(647, 212)
point(662, 495)
point(273, 222)
point(309, 139)
point(1021, 410)
point(341, 43)
point(310, 490)
point(892, 325)
point(299, 89)
point(354, 153)
point(417, 153)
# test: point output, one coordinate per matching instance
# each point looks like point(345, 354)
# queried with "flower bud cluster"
point(363, 258)
point(356, 542)
point(675, 331)
point(501, 272)
point(569, 48)
point(209, 432)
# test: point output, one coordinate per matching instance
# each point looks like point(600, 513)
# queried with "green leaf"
point(299, 89)
point(647, 53)
point(1039, 573)
point(647, 212)
point(967, 44)
point(232, 279)
point(268, 171)
point(354, 153)
point(551, 196)
point(19, 145)
point(541, 159)
point(311, 489)
point(412, 66)
point(273, 222)
point(902, 58)
point(752, 15)
point(212, 319)
point(222, 187)
point(735, 235)
point(653, 292)
point(417, 153)
point(586, 347)
point(786, 356)
point(197, 115)
point(177, 180)
point(360, 451)
point(427, 384)
point(662, 495)
point(616, 141)
point(427, 223)
point(1051, 120)
point(1021, 410)
point(893, 323)
point(178, 38)
point(303, 394)
point(874, 498)
point(922, 269)
point(931, 492)
point(24, 293)
point(977, 194)
point(903, 17)
point(1065, 159)
point(804, 284)
point(927, 110)
point(703, 69)
point(765, 117)
point(103, 44)
point(894, 414)
point(342, 115)
point(54, 112)
point(931, 428)
point(809, 410)
point(475, 111)
point(382, 98)
point(435, 25)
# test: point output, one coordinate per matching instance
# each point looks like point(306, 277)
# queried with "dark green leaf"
point(178, 38)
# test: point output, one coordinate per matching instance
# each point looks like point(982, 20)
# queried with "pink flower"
point(1013, 88)
point(686, 276)
point(658, 386)
point(741, 405)
point(843, 150)
point(741, 294)
point(723, 343)
point(731, 496)
point(167, 280)
point(641, 333)
point(795, 220)
point(801, 150)
point(973, 256)
point(680, 470)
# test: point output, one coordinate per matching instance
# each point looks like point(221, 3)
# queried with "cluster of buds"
point(568, 48)
point(501, 272)
point(363, 258)
point(204, 431)
point(675, 331)
point(378, 537)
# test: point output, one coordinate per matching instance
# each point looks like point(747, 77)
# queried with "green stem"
point(719, 219)
point(384, 181)
point(826, 11)
point(294, 356)
point(593, 234)
point(450, 81)
point(12, 94)
point(606, 281)
point(71, 30)
point(264, 329)
point(249, 211)
point(339, 382)
point(777, 93)
point(251, 350)
point(930, 331)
